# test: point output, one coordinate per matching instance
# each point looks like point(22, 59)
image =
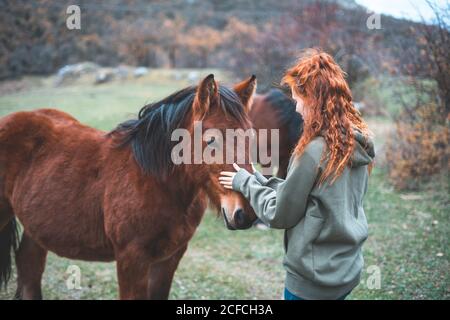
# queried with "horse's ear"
point(206, 91)
point(245, 90)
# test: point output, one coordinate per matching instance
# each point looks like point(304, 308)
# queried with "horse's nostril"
point(239, 217)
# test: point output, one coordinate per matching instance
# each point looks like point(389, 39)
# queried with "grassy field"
point(409, 232)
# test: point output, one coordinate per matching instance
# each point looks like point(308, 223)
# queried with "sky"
point(403, 8)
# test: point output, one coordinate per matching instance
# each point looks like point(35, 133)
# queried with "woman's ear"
point(206, 91)
point(245, 90)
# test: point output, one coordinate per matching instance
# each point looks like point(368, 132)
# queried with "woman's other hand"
point(226, 177)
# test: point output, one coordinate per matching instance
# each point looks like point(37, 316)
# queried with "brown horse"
point(87, 195)
point(275, 110)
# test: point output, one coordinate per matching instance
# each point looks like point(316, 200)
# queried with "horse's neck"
point(185, 189)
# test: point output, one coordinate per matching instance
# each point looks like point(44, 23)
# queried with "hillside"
point(244, 36)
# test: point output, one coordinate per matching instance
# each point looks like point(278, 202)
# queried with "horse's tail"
point(9, 237)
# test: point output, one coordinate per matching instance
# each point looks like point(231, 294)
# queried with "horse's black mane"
point(284, 108)
point(150, 134)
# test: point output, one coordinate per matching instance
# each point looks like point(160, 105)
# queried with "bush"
point(419, 149)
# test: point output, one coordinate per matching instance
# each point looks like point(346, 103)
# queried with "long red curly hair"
point(321, 84)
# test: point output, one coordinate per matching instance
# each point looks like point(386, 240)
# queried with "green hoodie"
point(325, 225)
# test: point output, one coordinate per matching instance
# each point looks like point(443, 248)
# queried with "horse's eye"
point(210, 141)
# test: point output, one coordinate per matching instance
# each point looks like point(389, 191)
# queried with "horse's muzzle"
point(240, 220)
point(227, 223)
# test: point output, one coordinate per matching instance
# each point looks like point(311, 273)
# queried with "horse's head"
point(199, 117)
point(223, 114)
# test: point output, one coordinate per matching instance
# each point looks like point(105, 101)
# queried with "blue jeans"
point(290, 296)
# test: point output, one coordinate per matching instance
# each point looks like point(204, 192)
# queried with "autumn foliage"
point(244, 36)
point(419, 150)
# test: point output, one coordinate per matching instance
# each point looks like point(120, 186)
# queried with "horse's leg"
point(132, 274)
point(161, 276)
point(144, 279)
point(30, 263)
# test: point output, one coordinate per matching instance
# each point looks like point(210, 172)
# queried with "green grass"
point(101, 106)
point(408, 241)
point(391, 93)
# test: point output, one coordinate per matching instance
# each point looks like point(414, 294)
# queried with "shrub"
point(419, 149)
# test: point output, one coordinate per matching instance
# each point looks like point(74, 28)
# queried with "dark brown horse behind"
point(87, 195)
point(275, 110)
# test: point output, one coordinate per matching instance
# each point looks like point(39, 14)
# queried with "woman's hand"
point(226, 177)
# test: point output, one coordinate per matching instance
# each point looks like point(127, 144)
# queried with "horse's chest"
point(179, 234)
point(158, 233)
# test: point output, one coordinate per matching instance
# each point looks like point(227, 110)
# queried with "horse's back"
point(52, 166)
point(57, 116)
point(38, 123)
point(262, 114)
point(25, 130)
point(43, 140)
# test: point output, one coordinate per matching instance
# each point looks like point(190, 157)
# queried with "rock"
point(77, 69)
point(140, 71)
point(74, 71)
point(104, 75)
point(123, 71)
point(193, 76)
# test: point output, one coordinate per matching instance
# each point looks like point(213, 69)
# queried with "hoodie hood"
point(364, 151)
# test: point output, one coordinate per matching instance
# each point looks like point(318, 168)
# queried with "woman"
point(320, 204)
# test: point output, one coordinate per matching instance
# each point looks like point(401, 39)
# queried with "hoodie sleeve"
point(283, 205)
point(271, 182)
